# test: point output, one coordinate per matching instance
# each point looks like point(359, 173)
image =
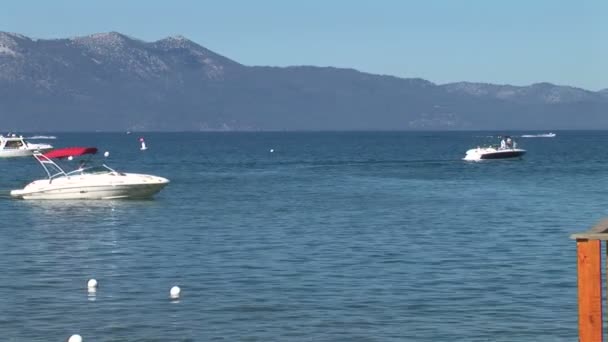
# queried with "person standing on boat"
point(509, 142)
point(503, 145)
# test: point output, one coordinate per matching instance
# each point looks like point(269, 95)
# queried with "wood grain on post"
point(589, 290)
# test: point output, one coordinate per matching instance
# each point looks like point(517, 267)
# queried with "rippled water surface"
point(332, 237)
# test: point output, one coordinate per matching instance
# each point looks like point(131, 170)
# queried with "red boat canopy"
point(70, 152)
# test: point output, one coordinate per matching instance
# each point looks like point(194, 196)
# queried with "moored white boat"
point(87, 182)
point(15, 146)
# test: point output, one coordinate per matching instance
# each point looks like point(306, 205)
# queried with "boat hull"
point(503, 155)
point(100, 192)
point(491, 153)
point(13, 153)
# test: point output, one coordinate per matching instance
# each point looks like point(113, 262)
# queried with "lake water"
point(332, 237)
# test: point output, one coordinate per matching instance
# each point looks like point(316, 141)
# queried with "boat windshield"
point(13, 144)
point(92, 170)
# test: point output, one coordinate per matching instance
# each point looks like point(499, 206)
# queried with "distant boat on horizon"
point(40, 137)
point(543, 135)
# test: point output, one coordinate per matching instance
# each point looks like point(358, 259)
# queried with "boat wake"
point(42, 137)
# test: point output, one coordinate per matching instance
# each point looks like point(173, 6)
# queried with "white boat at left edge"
point(16, 146)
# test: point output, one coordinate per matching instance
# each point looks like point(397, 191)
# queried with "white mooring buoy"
point(92, 285)
point(75, 338)
point(174, 293)
point(143, 144)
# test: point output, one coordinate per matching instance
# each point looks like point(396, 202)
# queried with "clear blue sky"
point(506, 42)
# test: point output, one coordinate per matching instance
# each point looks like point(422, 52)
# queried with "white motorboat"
point(87, 182)
point(507, 149)
point(15, 146)
point(543, 135)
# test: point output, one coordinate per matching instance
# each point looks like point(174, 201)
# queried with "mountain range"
point(113, 82)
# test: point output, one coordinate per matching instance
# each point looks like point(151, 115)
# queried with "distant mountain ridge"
point(113, 82)
point(536, 93)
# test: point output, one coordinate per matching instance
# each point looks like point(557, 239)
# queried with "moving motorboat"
point(88, 181)
point(15, 146)
point(542, 135)
point(507, 149)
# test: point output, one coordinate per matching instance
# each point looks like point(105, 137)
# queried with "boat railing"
point(50, 167)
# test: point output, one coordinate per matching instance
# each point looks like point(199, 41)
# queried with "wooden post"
point(589, 255)
point(589, 290)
